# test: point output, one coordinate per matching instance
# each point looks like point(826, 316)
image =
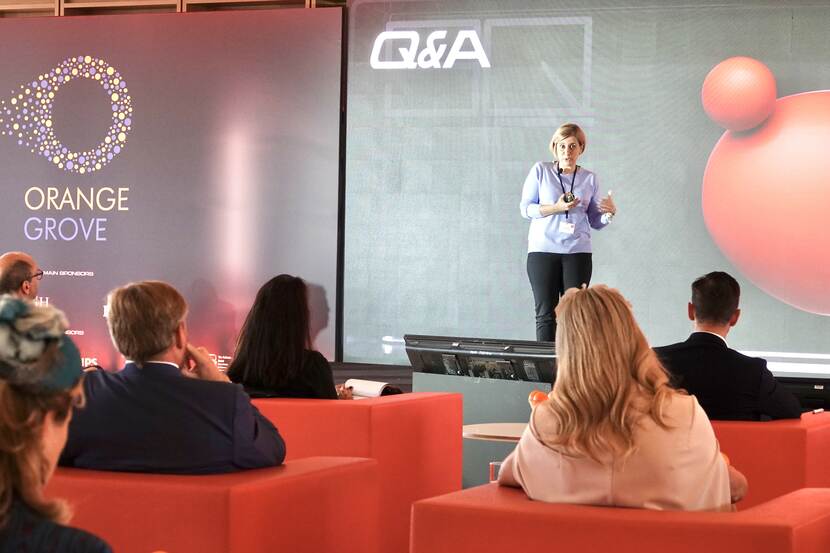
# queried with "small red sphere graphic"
point(739, 93)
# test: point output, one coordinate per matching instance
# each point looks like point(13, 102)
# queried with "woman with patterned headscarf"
point(40, 375)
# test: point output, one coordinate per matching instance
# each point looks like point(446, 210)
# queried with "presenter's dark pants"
point(550, 275)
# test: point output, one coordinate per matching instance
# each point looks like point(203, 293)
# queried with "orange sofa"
point(491, 519)
point(778, 457)
point(315, 505)
point(416, 439)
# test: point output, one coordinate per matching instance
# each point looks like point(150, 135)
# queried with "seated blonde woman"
point(613, 432)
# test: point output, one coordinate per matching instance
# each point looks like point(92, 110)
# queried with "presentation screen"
point(452, 103)
point(198, 149)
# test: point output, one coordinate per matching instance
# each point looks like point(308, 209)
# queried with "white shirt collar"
point(714, 334)
point(156, 362)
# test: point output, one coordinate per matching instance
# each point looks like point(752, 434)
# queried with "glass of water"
point(495, 468)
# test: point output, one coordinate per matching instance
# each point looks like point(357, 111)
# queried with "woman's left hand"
point(536, 397)
point(738, 485)
point(606, 205)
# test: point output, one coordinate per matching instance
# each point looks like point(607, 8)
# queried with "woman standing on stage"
point(562, 201)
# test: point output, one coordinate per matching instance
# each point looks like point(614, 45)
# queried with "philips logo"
point(466, 46)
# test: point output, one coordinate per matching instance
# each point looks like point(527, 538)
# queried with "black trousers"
point(550, 275)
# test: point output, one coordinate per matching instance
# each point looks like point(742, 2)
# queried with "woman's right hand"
point(198, 364)
point(561, 206)
point(343, 392)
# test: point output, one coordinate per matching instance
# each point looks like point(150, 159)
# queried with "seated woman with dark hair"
point(273, 354)
point(40, 375)
point(613, 432)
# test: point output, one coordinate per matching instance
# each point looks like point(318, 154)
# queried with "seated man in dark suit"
point(170, 409)
point(727, 384)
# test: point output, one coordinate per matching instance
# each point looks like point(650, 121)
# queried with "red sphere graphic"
point(739, 93)
point(766, 201)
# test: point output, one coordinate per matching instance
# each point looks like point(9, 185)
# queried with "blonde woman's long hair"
point(608, 377)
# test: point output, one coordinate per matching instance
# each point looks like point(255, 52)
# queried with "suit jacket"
point(153, 419)
point(28, 530)
point(728, 384)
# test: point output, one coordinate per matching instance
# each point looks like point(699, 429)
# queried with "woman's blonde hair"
point(566, 131)
point(607, 375)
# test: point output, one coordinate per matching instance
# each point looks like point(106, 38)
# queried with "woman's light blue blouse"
point(542, 187)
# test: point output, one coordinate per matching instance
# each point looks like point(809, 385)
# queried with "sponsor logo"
point(65, 273)
point(222, 361)
point(27, 115)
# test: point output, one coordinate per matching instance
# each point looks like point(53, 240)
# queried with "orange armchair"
point(491, 519)
point(416, 439)
point(306, 506)
point(778, 457)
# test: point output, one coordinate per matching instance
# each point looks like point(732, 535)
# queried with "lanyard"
point(562, 184)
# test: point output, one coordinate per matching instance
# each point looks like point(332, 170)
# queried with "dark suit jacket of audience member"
point(154, 419)
point(27, 530)
point(314, 381)
point(727, 384)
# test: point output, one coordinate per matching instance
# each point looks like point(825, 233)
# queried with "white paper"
point(366, 388)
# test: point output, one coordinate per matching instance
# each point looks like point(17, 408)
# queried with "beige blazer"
point(671, 469)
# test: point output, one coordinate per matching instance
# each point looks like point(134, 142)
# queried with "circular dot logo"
point(27, 115)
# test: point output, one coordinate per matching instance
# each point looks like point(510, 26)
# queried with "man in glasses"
point(19, 275)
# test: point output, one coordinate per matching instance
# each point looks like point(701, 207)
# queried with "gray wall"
point(436, 160)
point(485, 400)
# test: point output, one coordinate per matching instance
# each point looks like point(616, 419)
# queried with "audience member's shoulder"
point(682, 409)
point(681, 402)
point(99, 376)
point(667, 349)
point(314, 357)
point(543, 422)
point(217, 386)
point(691, 419)
point(215, 389)
point(756, 363)
point(694, 406)
point(73, 540)
point(29, 531)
